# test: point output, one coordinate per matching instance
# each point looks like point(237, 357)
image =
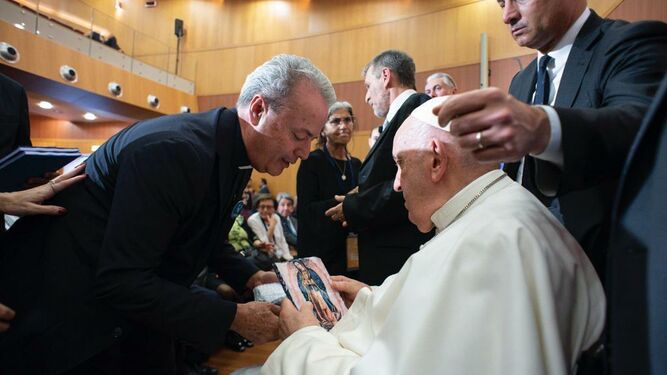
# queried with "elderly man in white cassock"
point(502, 288)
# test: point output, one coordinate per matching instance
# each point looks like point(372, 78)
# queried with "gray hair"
point(449, 81)
point(398, 62)
point(321, 139)
point(340, 105)
point(275, 79)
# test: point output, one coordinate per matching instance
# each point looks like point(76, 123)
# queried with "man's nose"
point(397, 182)
point(510, 14)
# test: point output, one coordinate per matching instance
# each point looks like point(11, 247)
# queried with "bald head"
point(431, 165)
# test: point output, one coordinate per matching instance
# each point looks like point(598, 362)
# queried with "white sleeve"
point(281, 242)
point(313, 350)
point(255, 223)
point(554, 151)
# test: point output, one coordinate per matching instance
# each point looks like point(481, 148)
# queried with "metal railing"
point(77, 25)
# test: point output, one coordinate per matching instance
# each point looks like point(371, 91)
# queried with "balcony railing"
point(78, 26)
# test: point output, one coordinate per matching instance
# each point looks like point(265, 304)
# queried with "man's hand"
point(6, 314)
point(336, 212)
point(292, 320)
point(495, 125)
point(348, 288)
point(29, 202)
point(257, 321)
point(261, 277)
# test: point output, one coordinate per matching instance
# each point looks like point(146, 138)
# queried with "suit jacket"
point(386, 237)
point(154, 211)
point(611, 75)
point(637, 287)
point(14, 120)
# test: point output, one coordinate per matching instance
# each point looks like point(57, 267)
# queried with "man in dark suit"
point(14, 120)
point(638, 252)
point(590, 86)
point(376, 211)
point(109, 286)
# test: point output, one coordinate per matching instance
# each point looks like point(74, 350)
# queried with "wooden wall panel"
point(637, 10)
point(42, 57)
point(49, 132)
point(434, 40)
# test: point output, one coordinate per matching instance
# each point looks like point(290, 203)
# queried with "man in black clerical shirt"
point(109, 290)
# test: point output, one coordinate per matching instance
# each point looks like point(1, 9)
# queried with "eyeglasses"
point(336, 121)
point(265, 206)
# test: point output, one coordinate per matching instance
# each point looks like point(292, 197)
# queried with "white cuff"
point(554, 151)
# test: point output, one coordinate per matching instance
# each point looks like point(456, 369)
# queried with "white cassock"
point(503, 289)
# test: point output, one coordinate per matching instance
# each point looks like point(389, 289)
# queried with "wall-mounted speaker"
point(9, 53)
point(178, 28)
point(153, 101)
point(68, 73)
point(115, 89)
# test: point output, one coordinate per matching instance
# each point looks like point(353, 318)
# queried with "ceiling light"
point(20, 25)
point(45, 105)
point(89, 116)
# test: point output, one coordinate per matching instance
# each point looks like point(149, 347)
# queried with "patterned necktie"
point(543, 82)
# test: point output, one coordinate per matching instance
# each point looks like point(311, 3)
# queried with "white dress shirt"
point(395, 106)
point(559, 54)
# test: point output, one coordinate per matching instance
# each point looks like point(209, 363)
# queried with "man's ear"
point(257, 108)
point(385, 76)
point(440, 159)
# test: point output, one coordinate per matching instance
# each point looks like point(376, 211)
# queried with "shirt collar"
point(563, 46)
point(446, 214)
point(397, 104)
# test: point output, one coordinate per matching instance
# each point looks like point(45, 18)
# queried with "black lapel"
point(578, 61)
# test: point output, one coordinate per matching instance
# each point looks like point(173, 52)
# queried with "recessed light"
point(89, 116)
point(45, 105)
point(20, 25)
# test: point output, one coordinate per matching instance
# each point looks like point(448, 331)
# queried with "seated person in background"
point(502, 288)
point(289, 222)
point(266, 225)
point(238, 235)
point(243, 239)
point(440, 84)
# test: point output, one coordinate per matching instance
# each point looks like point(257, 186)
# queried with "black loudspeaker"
point(178, 28)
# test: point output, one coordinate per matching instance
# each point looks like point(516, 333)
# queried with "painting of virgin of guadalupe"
point(308, 280)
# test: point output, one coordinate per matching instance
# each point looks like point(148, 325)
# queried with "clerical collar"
point(449, 211)
point(231, 129)
point(396, 105)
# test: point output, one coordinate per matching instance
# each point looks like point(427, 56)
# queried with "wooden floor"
point(227, 360)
